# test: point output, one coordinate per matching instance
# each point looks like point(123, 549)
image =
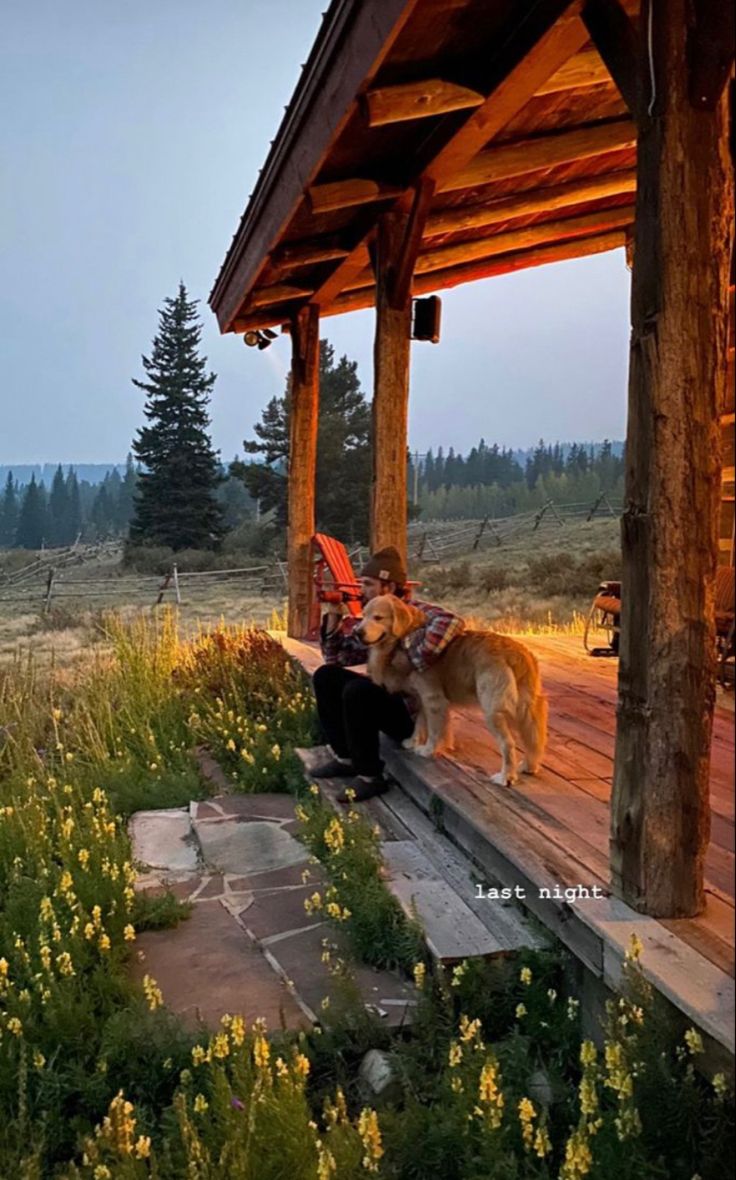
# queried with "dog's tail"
point(532, 712)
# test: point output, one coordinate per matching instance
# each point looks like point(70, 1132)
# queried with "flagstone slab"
point(207, 967)
point(269, 805)
point(245, 848)
point(277, 912)
point(299, 957)
point(164, 840)
point(276, 878)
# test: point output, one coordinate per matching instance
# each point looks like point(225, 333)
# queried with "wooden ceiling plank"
point(417, 100)
point(544, 151)
point(560, 229)
point(584, 69)
point(556, 197)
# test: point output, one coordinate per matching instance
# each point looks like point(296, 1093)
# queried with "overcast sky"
point(133, 132)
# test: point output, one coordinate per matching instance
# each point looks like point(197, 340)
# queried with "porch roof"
point(497, 119)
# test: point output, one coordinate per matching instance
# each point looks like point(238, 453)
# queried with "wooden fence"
point(45, 581)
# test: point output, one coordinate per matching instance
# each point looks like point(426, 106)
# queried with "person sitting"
point(353, 711)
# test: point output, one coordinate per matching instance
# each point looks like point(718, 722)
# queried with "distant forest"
point(486, 481)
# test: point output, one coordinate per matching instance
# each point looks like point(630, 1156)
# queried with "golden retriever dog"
point(498, 672)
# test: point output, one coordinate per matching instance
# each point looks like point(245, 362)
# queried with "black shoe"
point(334, 768)
point(359, 790)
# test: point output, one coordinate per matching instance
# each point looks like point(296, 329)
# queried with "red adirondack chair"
point(335, 580)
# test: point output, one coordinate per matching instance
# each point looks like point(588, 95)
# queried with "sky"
point(133, 134)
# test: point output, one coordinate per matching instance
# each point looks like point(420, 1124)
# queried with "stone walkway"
point(249, 945)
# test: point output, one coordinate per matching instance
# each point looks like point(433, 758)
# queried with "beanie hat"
point(385, 564)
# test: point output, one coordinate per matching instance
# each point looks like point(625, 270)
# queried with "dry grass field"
point(537, 582)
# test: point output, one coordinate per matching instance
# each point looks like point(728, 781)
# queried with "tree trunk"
point(304, 411)
point(660, 807)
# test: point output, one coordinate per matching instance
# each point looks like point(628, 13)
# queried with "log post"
point(660, 815)
point(398, 237)
point(303, 415)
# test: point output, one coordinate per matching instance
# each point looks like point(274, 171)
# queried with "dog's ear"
point(406, 617)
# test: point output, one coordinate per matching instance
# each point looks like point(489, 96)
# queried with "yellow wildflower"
point(578, 1157)
point(38, 1060)
point(64, 963)
point(694, 1042)
point(152, 993)
point(420, 975)
point(520, 1011)
point(527, 1114)
point(14, 1026)
point(542, 1142)
point(199, 1055)
point(237, 1030)
point(301, 1065)
point(720, 1085)
point(129, 933)
point(261, 1052)
point(525, 975)
point(634, 949)
point(83, 857)
point(142, 1149)
point(455, 1054)
point(200, 1104)
point(370, 1135)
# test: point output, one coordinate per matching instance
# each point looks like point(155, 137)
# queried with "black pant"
point(354, 711)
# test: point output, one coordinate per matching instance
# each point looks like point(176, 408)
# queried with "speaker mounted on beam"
point(426, 317)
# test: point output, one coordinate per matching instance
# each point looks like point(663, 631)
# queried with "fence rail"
point(42, 582)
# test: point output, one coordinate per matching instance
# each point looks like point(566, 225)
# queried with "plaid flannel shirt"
point(422, 646)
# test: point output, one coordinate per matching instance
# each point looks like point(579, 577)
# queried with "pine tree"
point(8, 513)
point(31, 529)
point(75, 506)
point(343, 452)
point(175, 501)
point(58, 523)
point(126, 496)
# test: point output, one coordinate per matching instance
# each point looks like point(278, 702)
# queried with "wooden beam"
point(344, 194)
point(358, 260)
point(522, 156)
point(417, 100)
point(545, 38)
point(281, 293)
point(615, 38)
point(309, 253)
point(524, 239)
point(453, 276)
point(303, 417)
point(391, 353)
point(543, 200)
point(584, 69)
point(403, 264)
point(660, 813)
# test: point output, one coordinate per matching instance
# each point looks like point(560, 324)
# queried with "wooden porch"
point(554, 830)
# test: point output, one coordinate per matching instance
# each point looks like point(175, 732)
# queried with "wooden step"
point(433, 881)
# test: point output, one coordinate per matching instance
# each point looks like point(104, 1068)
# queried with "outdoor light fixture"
point(259, 338)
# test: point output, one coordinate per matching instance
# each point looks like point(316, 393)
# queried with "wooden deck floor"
point(556, 826)
point(571, 796)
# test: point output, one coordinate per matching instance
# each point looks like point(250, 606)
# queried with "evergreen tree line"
point(34, 517)
point(489, 481)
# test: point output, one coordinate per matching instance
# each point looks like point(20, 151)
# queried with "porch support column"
point(303, 414)
point(394, 253)
point(660, 815)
